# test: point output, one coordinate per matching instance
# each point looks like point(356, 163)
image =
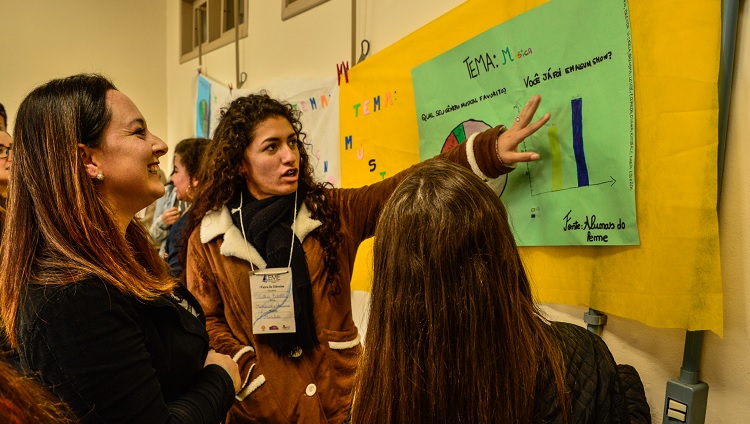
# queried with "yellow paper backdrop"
point(673, 279)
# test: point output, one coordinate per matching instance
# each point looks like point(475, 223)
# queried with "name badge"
point(273, 301)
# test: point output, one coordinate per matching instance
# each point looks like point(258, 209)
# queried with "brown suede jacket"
point(316, 386)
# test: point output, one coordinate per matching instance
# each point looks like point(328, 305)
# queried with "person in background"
point(258, 208)
point(166, 213)
point(146, 215)
point(84, 295)
point(3, 118)
point(187, 160)
point(455, 335)
point(23, 401)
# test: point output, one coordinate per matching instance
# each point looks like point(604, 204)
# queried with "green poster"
point(577, 55)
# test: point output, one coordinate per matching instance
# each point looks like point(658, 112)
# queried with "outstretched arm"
point(489, 154)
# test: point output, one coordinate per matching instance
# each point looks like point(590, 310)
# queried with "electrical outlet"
point(685, 403)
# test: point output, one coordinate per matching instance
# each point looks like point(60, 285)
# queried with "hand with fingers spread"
point(508, 141)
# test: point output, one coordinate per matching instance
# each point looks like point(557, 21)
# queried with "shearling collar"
point(219, 223)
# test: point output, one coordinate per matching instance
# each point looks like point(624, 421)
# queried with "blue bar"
point(582, 170)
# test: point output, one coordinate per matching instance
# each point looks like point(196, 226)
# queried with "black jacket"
point(175, 241)
point(599, 390)
point(117, 360)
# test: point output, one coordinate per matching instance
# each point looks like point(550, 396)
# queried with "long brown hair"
point(23, 400)
point(59, 229)
point(453, 332)
point(221, 179)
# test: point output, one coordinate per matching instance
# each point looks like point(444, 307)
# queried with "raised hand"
point(522, 127)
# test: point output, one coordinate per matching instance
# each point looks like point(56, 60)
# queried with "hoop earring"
point(188, 193)
point(100, 177)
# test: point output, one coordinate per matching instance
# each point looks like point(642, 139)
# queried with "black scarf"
point(268, 227)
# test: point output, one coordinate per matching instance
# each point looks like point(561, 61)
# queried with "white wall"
point(123, 39)
point(42, 40)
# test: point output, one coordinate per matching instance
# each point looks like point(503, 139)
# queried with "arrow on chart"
point(611, 181)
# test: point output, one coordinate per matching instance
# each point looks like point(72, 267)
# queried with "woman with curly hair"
point(262, 223)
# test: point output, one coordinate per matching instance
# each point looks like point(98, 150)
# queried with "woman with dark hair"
point(272, 255)
point(85, 296)
point(455, 335)
point(187, 160)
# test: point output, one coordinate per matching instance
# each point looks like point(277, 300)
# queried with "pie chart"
point(463, 131)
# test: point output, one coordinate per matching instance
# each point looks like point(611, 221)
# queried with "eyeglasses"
point(4, 151)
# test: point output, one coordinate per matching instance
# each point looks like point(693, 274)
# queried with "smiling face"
point(271, 161)
point(5, 143)
point(128, 158)
point(181, 179)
